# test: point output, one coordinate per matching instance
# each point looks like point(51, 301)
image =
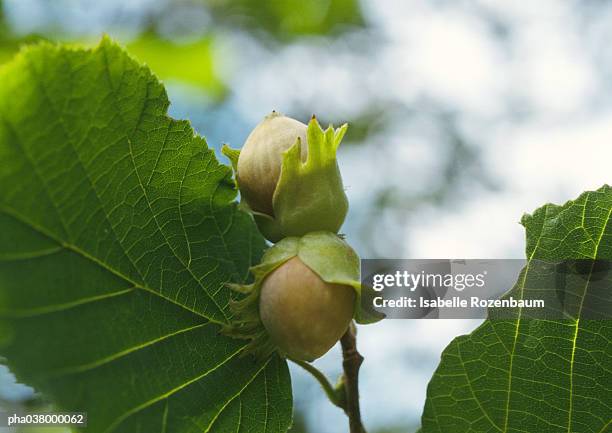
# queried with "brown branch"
point(351, 362)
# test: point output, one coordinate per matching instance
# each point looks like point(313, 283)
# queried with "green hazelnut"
point(289, 178)
point(304, 315)
point(303, 296)
point(259, 163)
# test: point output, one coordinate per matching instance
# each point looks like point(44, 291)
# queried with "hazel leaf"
point(533, 375)
point(118, 234)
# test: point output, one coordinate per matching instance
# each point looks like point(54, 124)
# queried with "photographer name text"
point(456, 302)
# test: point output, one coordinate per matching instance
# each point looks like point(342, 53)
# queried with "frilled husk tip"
point(246, 323)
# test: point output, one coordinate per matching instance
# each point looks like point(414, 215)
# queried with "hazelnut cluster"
point(306, 289)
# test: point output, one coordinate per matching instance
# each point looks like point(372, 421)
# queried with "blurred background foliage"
point(286, 20)
point(463, 115)
point(175, 37)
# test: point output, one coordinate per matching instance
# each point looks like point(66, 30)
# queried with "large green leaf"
point(533, 375)
point(118, 233)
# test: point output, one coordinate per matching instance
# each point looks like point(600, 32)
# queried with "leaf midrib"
point(579, 313)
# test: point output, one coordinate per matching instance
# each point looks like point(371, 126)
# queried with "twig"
point(351, 362)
